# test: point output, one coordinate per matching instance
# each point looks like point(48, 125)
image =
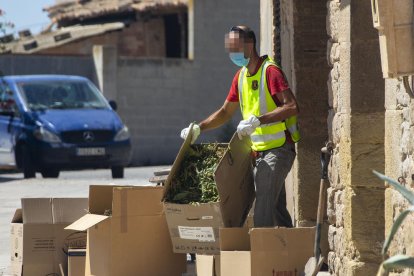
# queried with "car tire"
point(27, 164)
point(50, 173)
point(117, 172)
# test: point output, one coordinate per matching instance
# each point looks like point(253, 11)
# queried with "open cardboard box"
point(39, 243)
point(265, 251)
point(128, 233)
point(195, 228)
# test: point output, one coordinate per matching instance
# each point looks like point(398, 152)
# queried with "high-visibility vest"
point(255, 99)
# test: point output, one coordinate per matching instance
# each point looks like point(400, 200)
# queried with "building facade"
point(331, 52)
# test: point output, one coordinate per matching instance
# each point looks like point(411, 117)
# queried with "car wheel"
point(28, 168)
point(50, 173)
point(117, 172)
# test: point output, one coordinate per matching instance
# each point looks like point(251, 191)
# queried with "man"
point(269, 112)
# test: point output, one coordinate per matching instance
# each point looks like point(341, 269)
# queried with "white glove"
point(195, 133)
point(247, 127)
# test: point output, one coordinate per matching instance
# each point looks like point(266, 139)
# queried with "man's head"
point(240, 42)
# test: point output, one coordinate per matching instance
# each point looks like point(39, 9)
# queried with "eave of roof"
point(59, 37)
point(90, 9)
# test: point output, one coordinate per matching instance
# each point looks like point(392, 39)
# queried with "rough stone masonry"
point(399, 144)
point(356, 126)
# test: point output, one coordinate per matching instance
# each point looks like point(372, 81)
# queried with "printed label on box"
point(202, 234)
point(43, 244)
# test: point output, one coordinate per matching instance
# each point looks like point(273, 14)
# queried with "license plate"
point(90, 151)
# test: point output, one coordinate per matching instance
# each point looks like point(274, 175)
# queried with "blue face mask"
point(239, 59)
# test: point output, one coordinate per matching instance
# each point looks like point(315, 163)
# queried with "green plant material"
point(398, 261)
point(403, 190)
point(194, 182)
point(395, 227)
point(107, 212)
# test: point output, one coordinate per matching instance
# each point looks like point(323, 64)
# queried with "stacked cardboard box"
point(39, 242)
point(128, 233)
point(194, 228)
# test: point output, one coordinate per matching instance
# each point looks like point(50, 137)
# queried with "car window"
point(7, 99)
point(50, 94)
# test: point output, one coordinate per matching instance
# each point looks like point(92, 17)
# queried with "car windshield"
point(41, 95)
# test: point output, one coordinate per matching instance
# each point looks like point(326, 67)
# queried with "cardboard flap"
point(178, 160)
point(205, 265)
point(37, 210)
point(235, 183)
point(18, 216)
point(67, 210)
point(137, 201)
point(234, 239)
point(100, 198)
point(86, 222)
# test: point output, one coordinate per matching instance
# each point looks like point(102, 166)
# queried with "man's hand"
point(247, 127)
point(195, 132)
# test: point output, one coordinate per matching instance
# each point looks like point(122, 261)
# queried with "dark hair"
point(245, 32)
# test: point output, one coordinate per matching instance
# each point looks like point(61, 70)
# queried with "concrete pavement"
point(69, 184)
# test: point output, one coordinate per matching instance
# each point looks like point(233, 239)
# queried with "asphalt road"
point(69, 184)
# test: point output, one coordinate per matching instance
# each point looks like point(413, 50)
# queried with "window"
point(7, 100)
point(41, 95)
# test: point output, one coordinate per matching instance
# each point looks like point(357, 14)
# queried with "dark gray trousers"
point(272, 167)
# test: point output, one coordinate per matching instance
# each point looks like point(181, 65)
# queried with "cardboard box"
point(76, 262)
point(208, 265)
point(195, 228)
point(39, 242)
point(128, 233)
point(265, 251)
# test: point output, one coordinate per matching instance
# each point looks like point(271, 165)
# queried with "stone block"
point(333, 52)
point(365, 158)
point(331, 212)
point(331, 262)
point(332, 20)
point(407, 136)
point(337, 240)
point(364, 220)
point(362, 268)
point(408, 166)
point(339, 209)
point(402, 97)
point(392, 86)
point(388, 210)
point(330, 92)
point(344, 20)
point(334, 173)
point(392, 143)
point(367, 128)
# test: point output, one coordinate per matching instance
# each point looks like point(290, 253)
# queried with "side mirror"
point(113, 104)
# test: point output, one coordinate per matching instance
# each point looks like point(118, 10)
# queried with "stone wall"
point(45, 64)
point(356, 126)
point(399, 144)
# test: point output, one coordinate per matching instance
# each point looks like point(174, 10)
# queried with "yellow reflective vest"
point(255, 99)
